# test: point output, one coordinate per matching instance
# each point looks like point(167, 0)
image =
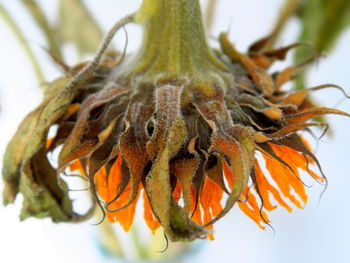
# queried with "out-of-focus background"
point(319, 233)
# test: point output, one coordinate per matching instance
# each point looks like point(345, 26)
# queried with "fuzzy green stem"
point(174, 44)
point(18, 34)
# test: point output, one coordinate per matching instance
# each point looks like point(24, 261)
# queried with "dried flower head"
point(176, 123)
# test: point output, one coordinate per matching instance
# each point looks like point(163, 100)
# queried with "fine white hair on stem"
point(91, 66)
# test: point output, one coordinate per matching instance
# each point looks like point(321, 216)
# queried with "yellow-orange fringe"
point(209, 203)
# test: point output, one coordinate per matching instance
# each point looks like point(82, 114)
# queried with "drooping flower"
point(176, 125)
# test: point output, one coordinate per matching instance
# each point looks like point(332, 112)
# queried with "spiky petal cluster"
point(181, 144)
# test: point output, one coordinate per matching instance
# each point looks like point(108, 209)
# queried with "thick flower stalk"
point(176, 124)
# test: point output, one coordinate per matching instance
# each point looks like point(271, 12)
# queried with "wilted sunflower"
point(179, 123)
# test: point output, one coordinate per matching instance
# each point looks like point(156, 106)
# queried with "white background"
point(319, 233)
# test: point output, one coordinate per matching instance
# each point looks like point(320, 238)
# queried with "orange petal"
point(107, 189)
point(72, 109)
point(265, 187)
point(177, 191)
point(285, 179)
point(101, 183)
point(210, 202)
point(126, 216)
point(252, 212)
point(211, 197)
point(297, 160)
point(77, 166)
point(49, 142)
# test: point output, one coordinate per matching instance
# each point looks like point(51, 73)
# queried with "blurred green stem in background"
point(288, 10)
point(150, 251)
point(23, 42)
point(109, 241)
point(137, 245)
point(78, 26)
point(41, 21)
point(209, 16)
point(322, 24)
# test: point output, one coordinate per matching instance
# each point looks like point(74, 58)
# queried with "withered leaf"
point(44, 194)
point(25, 166)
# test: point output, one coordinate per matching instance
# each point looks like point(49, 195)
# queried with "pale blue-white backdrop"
point(319, 233)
